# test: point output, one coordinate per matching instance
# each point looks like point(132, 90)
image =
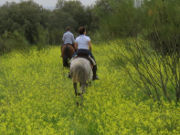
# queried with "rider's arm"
point(76, 45)
point(73, 40)
point(63, 38)
point(90, 45)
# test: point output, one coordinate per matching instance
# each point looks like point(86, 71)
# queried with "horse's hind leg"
point(65, 61)
point(83, 87)
point(77, 94)
point(75, 88)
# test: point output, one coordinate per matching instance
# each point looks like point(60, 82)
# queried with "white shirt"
point(83, 41)
point(68, 38)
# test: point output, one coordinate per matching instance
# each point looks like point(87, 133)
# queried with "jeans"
point(84, 51)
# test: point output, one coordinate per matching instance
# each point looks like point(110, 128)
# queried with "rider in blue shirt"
point(68, 37)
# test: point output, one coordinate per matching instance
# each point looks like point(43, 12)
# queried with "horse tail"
point(69, 51)
point(66, 51)
point(79, 74)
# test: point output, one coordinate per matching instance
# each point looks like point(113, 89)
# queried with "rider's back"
point(68, 38)
point(82, 42)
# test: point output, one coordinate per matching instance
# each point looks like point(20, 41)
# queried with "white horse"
point(81, 72)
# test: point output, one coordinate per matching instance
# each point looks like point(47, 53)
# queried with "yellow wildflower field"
point(37, 98)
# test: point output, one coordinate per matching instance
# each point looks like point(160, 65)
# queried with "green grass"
point(37, 98)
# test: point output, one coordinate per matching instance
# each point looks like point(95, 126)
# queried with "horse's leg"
point(83, 87)
point(78, 94)
point(65, 62)
point(68, 62)
point(75, 88)
point(81, 94)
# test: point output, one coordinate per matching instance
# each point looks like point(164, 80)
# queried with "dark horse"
point(67, 53)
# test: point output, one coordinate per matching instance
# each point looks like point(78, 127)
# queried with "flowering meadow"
point(37, 98)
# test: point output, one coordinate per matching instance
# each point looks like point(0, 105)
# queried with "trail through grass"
point(36, 97)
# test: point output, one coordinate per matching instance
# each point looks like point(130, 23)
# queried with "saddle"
point(70, 45)
point(86, 56)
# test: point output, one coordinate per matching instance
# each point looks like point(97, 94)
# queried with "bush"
point(10, 41)
point(156, 75)
point(162, 25)
point(122, 20)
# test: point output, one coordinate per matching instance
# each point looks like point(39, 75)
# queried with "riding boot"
point(95, 77)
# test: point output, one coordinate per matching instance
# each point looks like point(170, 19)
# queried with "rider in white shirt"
point(83, 45)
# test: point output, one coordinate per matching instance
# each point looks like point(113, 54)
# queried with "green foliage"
point(157, 20)
point(41, 26)
point(74, 14)
point(24, 18)
point(157, 75)
point(10, 41)
point(60, 3)
point(119, 18)
point(36, 97)
point(162, 25)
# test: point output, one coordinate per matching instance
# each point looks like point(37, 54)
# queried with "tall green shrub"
point(10, 41)
point(123, 19)
point(162, 24)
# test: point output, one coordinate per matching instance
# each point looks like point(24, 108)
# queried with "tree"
point(60, 4)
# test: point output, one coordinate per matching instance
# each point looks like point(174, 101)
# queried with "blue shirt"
point(68, 38)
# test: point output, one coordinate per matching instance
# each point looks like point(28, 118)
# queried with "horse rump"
point(81, 72)
point(67, 52)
